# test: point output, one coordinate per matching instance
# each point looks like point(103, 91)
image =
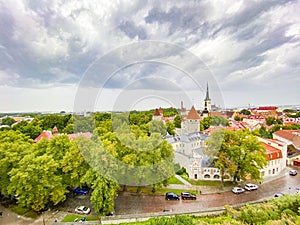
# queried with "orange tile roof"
point(48, 135)
point(156, 113)
point(272, 153)
point(193, 114)
point(45, 134)
point(286, 134)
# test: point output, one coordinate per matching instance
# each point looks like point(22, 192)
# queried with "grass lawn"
point(162, 191)
point(206, 182)
point(210, 183)
point(174, 180)
point(72, 217)
point(23, 211)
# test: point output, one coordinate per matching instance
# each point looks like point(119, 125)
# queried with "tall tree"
point(36, 182)
point(241, 150)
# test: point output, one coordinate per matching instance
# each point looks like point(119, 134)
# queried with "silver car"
point(251, 187)
point(237, 190)
point(83, 210)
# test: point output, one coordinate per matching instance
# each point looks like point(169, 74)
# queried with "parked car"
point(80, 191)
point(112, 213)
point(172, 196)
point(293, 172)
point(188, 195)
point(278, 195)
point(167, 210)
point(237, 190)
point(83, 210)
point(251, 187)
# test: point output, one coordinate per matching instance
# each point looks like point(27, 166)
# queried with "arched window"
point(216, 176)
point(207, 176)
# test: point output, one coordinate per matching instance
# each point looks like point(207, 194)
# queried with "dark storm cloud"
point(187, 17)
point(132, 31)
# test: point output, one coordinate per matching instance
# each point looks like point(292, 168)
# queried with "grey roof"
point(187, 137)
point(203, 162)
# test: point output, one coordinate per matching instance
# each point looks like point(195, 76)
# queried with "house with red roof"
point(47, 134)
point(276, 155)
point(158, 114)
point(292, 140)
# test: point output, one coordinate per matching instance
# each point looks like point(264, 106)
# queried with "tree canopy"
point(238, 153)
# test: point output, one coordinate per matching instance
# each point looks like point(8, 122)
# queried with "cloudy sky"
point(119, 55)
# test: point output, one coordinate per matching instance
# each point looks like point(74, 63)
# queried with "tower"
point(207, 103)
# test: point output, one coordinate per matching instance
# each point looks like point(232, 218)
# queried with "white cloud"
point(47, 44)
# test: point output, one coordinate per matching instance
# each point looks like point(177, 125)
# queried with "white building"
point(276, 155)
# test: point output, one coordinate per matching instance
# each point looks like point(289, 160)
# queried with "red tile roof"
point(287, 134)
point(267, 108)
point(193, 114)
point(156, 112)
point(45, 134)
point(272, 153)
point(48, 135)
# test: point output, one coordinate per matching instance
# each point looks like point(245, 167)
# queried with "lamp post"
point(43, 218)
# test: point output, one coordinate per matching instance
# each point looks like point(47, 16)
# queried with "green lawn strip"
point(174, 180)
point(72, 217)
point(23, 211)
point(207, 182)
point(162, 191)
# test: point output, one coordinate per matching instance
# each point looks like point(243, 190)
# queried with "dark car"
point(172, 196)
point(188, 195)
point(80, 191)
point(278, 195)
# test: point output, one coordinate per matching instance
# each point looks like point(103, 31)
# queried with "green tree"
point(168, 112)
point(205, 123)
point(263, 132)
point(73, 165)
point(104, 192)
point(245, 112)
point(270, 121)
point(225, 165)
point(13, 147)
point(177, 121)
point(36, 182)
point(170, 128)
point(219, 120)
point(7, 121)
point(237, 118)
point(241, 149)
point(158, 127)
point(28, 129)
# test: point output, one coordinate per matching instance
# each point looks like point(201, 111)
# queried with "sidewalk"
point(200, 189)
point(217, 189)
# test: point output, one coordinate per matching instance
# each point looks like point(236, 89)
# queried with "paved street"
point(128, 203)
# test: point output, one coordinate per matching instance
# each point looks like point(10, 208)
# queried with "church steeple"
point(207, 94)
point(207, 104)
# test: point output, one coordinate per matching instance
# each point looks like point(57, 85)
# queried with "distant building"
point(191, 123)
point(158, 114)
point(47, 134)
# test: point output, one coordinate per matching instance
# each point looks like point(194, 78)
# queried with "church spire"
point(207, 104)
point(207, 94)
